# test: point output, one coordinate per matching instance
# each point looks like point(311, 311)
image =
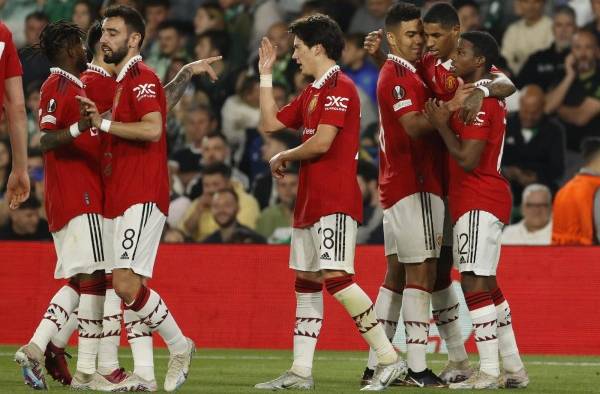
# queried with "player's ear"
point(391, 39)
point(134, 40)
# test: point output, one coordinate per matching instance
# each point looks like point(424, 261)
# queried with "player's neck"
point(97, 61)
point(70, 68)
point(322, 68)
point(126, 59)
point(396, 52)
point(476, 76)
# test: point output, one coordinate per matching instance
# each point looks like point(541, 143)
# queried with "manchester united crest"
point(313, 103)
point(451, 83)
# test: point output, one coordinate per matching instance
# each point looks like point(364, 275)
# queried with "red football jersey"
point(327, 184)
point(406, 165)
point(139, 168)
point(100, 87)
point(10, 65)
point(484, 188)
point(71, 172)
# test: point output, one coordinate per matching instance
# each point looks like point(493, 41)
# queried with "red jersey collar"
point(328, 74)
point(402, 62)
point(482, 82)
point(69, 76)
point(447, 64)
point(128, 66)
point(98, 69)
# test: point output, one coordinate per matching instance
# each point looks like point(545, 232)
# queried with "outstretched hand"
point(373, 41)
point(89, 111)
point(266, 57)
point(203, 66)
point(278, 164)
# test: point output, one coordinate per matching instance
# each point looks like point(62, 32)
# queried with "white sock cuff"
point(486, 311)
point(444, 298)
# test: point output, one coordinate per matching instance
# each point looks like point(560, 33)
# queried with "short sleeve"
point(480, 128)
point(337, 104)
point(53, 108)
point(291, 114)
point(406, 95)
point(145, 88)
point(10, 57)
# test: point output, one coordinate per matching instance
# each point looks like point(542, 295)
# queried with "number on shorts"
point(128, 241)
point(328, 238)
point(463, 240)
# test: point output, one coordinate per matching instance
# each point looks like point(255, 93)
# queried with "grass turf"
point(236, 371)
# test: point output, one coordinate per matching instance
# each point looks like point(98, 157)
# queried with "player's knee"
point(395, 279)
point(126, 288)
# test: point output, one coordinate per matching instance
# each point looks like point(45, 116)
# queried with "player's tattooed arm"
point(176, 87)
point(500, 87)
point(466, 152)
point(56, 138)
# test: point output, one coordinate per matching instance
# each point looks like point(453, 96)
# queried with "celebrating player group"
point(442, 125)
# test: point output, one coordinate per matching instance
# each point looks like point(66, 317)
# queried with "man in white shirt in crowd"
point(536, 226)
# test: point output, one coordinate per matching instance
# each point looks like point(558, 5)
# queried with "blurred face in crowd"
point(252, 96)
point(204, 49)
point(33, 28)
point(224, 208)
point(154, 16)
point(169, 41)
point(24, 221)
point(469, 18)
point(82, 16)
point(214, 150)
point(287, 189)
point(595, 7)
point(270, 148)
point(563, 28)
point(206, 19)
point(406, 39)
point(279, 94)
point(197, 124)
point(440, 42)
point(378, 8)
point(352, 54)
point(536, 208)
point(280, 38)
point(212, 183)
point(531, 10)
point(585, 50)
point(531, 108)
point(115, 40)
point(33, 101)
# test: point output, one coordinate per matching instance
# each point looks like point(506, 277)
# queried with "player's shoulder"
point(341, 81)
point(142, 71)
point(400, 71)
point(56, 84)
point(5, 33)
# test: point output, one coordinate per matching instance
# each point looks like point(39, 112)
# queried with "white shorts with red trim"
point(476, 246)
point(412, 228)
point(79, 246)
point(133, 238)
point(328, 244)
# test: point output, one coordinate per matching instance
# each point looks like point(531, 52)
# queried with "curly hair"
point(58, 36)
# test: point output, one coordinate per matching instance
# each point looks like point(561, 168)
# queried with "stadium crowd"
point(550, 50)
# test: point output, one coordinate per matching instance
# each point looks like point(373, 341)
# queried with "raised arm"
point(268, 122)
point(556, 96)
point(175, 88)
point(372, 45)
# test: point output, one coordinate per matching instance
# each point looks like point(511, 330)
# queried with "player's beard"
point(116, 56)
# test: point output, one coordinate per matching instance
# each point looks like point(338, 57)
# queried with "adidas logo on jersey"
point(124, 256)
point(462, 260)
point(325, 256)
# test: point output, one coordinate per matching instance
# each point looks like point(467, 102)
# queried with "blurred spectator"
point(209, 16)
point(595, 24)
point(284, 67)
point(370, 16)
point(25, 224)
point(58, 9)
point(155, 12)
point(576, 97)
point(12, 13)
point(536, 226)
point(468, 14)
point(531, 33)
point(577, 203)
point(180, 9)
point(178, 204)
point(216, 43)
point(542, 67)
point(355, 65)
point(534, 146)
point(171, 43)
point(32, 105)
point(263, 188)
point(198, 221)
point(173, 235)
point(197, 122)
point(35, 65)
point(239, 113)
point(215, 149)
point(239, 26)
point(275, 221)
point(371, 229)
point(265, 13)
point(84, 14)
point(224, 208)
point(583, 10)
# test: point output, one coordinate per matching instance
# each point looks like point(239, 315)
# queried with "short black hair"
point(564, 9)
point(484, 44)
point(401, 12)
point(92, 8)
point(444, 14)
point(217, 168)
point(320, 29)
point(358, 39)
point(219, 135)
point(218, 40)
point(132, 18)
point(58, 36)
point(93, 37)
point(458, 4)
point(590, 148)
point(39, 15)
point(157, 3)
point(170, 24)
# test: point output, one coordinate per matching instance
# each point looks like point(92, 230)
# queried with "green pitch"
point(236, 371)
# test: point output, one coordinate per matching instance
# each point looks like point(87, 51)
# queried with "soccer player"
point(11, 98)
point(328, 207)
point(137, 196)
point(480, 203)
point(73, 206)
